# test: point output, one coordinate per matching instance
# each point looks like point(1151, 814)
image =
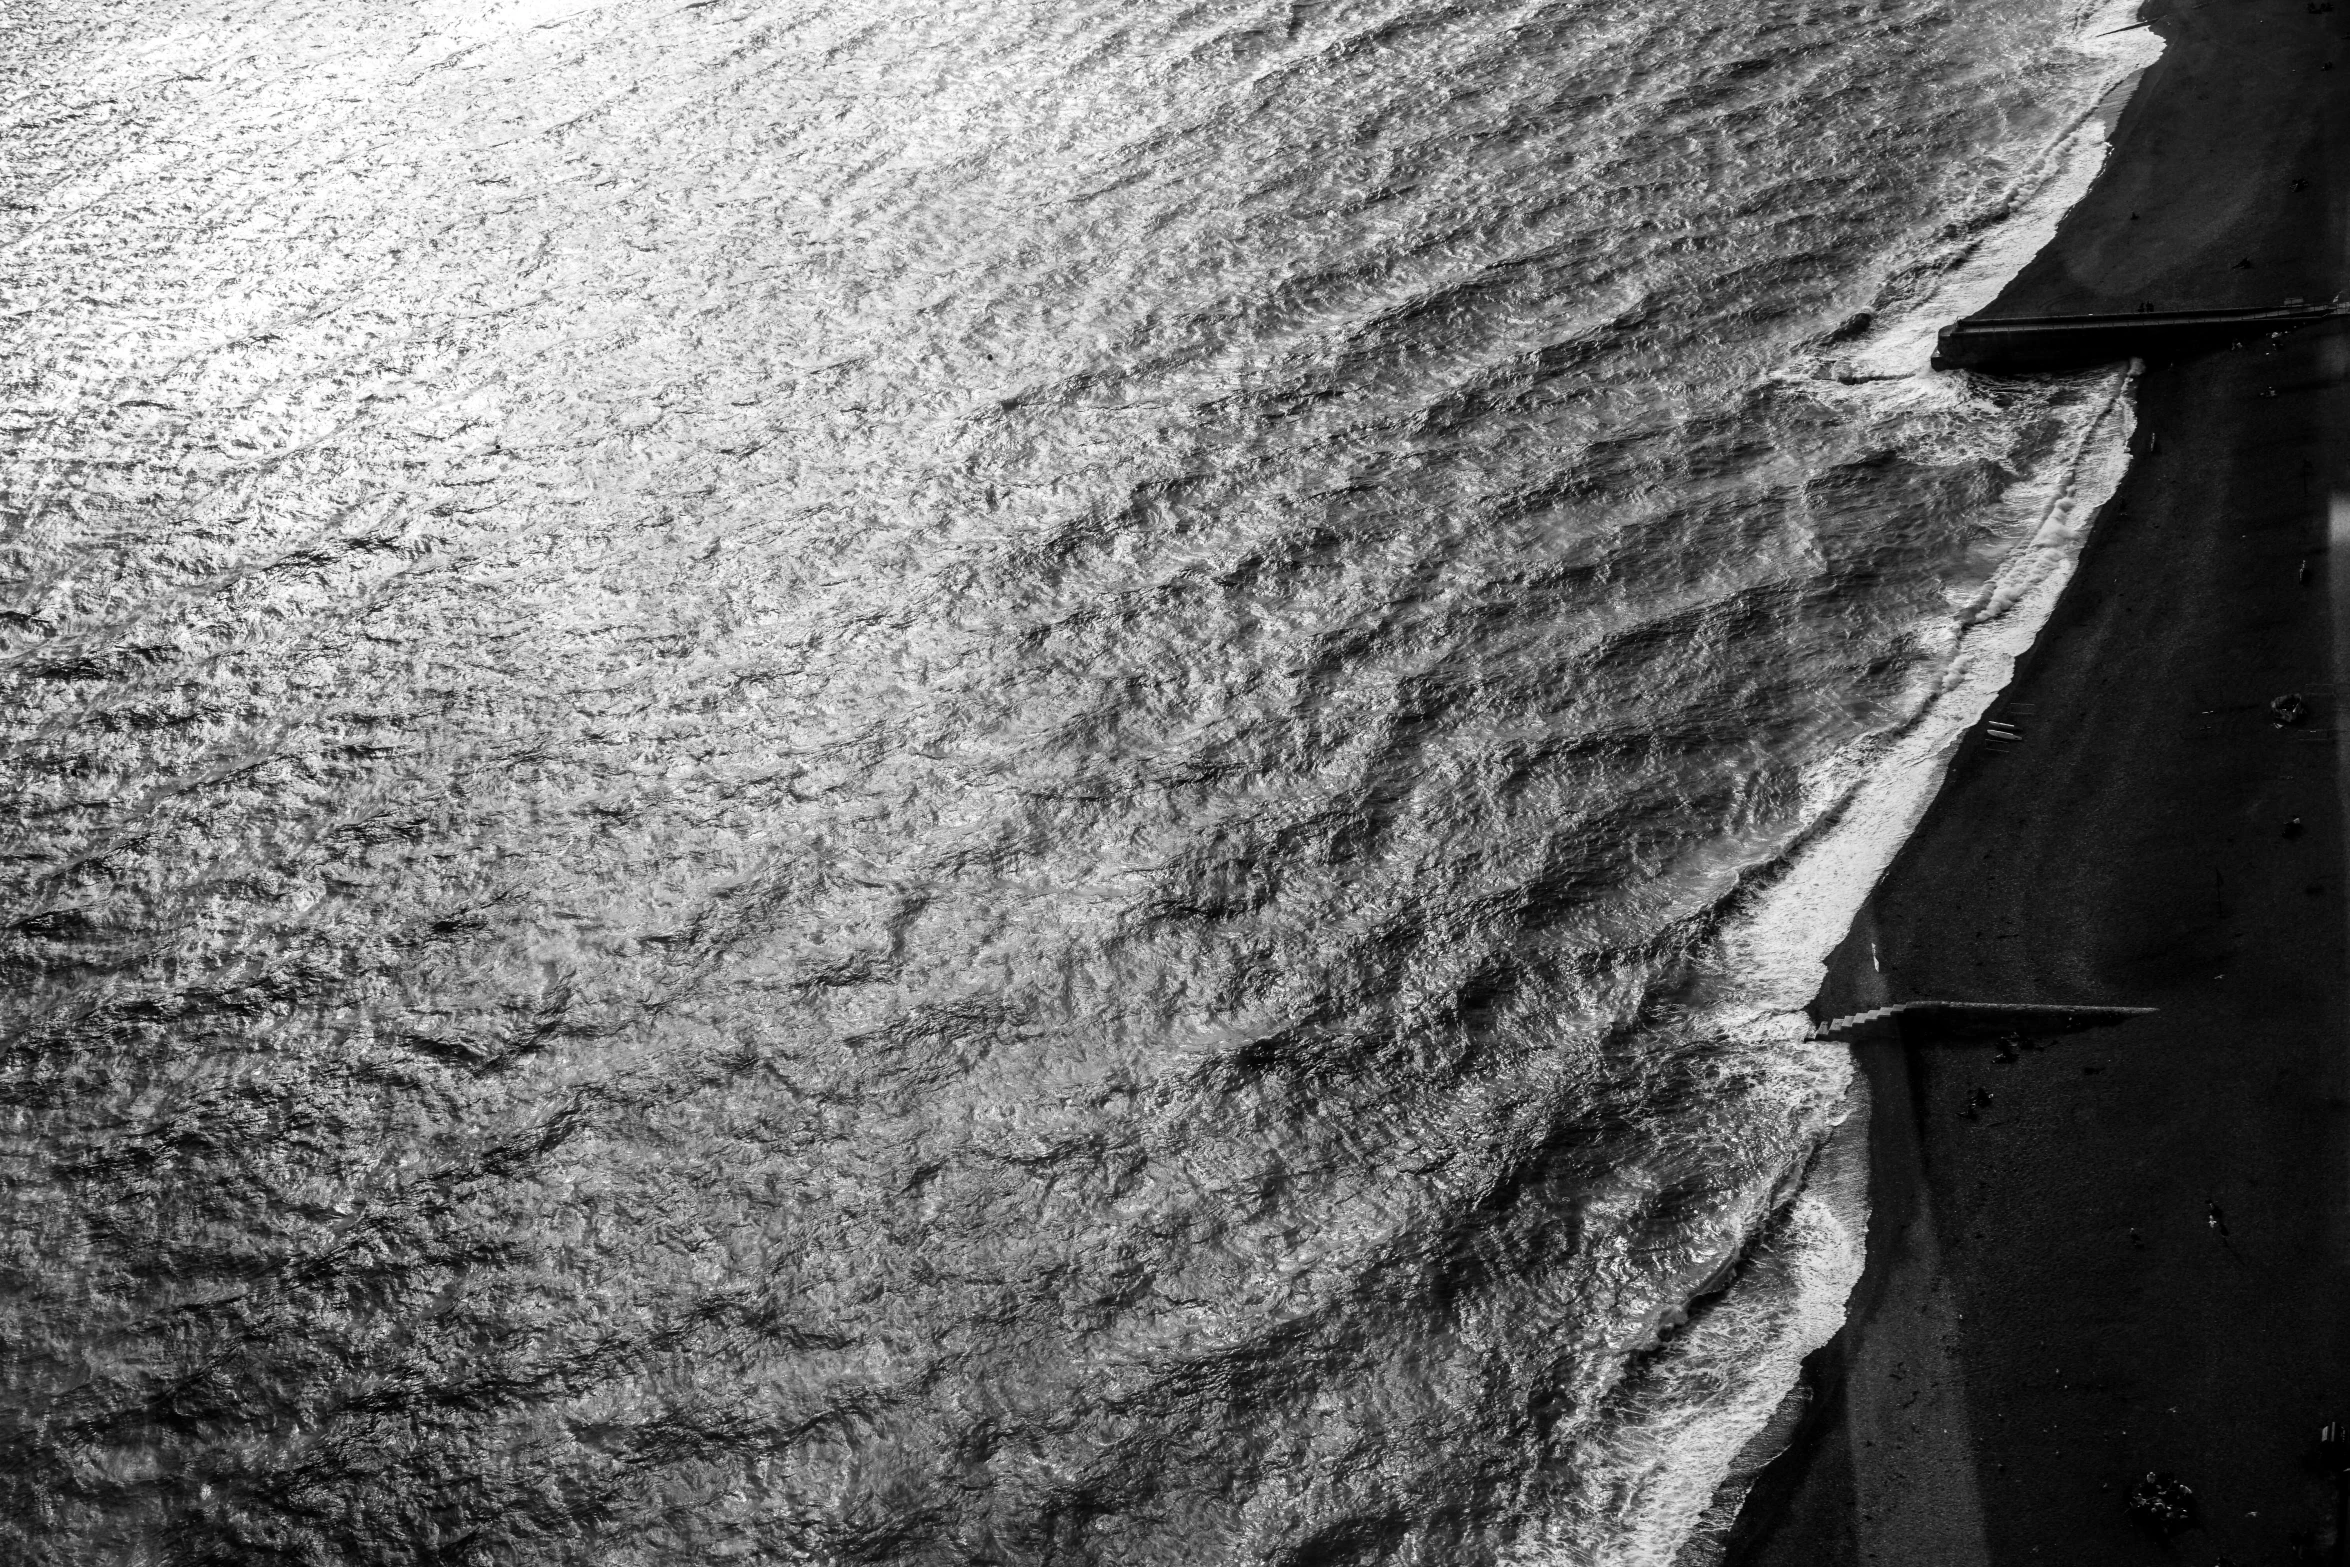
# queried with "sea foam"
point(1700, 1418)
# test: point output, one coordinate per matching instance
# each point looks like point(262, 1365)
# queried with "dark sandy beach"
point(2137, 1257)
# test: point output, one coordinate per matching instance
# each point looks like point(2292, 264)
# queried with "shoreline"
point(2050, 1275)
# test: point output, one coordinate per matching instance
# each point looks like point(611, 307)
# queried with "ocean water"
point(922, 783)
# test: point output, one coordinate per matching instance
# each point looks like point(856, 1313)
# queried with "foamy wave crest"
point(1693, 1419)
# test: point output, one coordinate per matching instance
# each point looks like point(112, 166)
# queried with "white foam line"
point(1869, 799)
point(1879, 790)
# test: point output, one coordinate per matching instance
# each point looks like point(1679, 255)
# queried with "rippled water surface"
point(929, 783)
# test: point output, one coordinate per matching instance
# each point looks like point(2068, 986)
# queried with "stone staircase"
point(1829, 1028)
point(1837, 1025)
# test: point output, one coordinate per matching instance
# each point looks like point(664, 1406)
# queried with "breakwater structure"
point(2004, 345)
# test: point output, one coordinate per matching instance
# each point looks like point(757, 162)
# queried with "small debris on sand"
point(2163, 1502)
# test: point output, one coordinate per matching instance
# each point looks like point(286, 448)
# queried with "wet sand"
point(2050, 1310)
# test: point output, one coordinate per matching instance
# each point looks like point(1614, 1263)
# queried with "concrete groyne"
point(2019, 344)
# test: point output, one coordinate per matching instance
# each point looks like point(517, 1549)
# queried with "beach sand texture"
point(2137, 1255)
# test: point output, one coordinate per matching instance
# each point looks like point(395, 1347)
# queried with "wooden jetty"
point(2008, 345)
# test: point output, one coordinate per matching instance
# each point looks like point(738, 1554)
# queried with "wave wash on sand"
point(1718, 1398)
